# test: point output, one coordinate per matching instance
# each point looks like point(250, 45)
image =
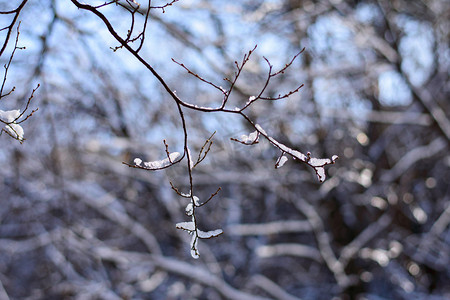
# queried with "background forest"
point(78, 223)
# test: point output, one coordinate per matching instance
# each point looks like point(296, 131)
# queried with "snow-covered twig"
point(251, 139)
point(192, 226)
point(11, 118)
point(317, 164)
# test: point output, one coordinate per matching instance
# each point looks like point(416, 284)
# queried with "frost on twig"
point(171, 159)
point(317, 164)
point(158, 164)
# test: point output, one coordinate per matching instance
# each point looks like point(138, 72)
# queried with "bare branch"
point(16, 13)
point(202, 153)
point(210, 197)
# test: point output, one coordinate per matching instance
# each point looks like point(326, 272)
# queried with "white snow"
point(194, 250)
point(191, 161)
point(15, 130)
point(250, 100)
point(195, 232)
point(185, 195)
point(173, 156)
point(282, 147)
point(189, 209)
point(196, 201)
point(188, 226)
point(320, 173)
point(318, 162)
point(157, 164)
point(281, 161)
point(10, 117)
point(209, 234)
point(259, 128)
point(252, 138)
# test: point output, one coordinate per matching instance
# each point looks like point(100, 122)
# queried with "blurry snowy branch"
point(81, 242)
point(412, 157)
point(178, 267)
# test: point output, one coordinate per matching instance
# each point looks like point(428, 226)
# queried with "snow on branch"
point(253, 138)
point(158, 164)
point(317, 164)
point(194, 202)
point(10, 118)
point(12, 128)
point(188, 226)
point(192, 226)
point(281, 161)
point(171, 159)
point(197, 234)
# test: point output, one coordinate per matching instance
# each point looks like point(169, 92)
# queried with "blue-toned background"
point(76, 223)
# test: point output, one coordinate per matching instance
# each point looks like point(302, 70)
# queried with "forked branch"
point(252, 139)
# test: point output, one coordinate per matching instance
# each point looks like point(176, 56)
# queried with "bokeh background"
point(76, 223)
